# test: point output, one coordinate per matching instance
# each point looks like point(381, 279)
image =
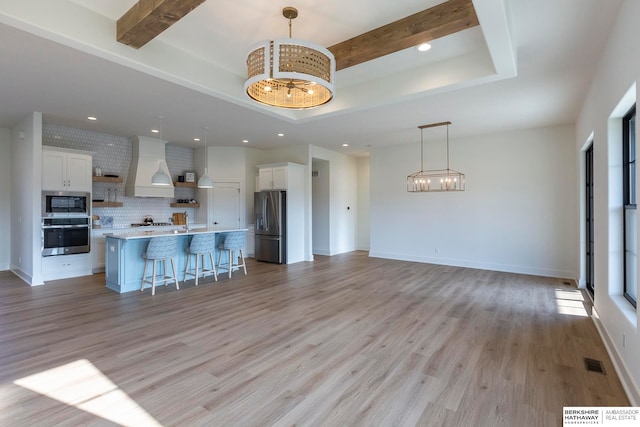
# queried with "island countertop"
point(145, 234)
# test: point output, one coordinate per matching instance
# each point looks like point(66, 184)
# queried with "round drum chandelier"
point(290, 73)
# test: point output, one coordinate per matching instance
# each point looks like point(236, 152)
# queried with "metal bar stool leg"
point(175, 277)
point(213, 266)
point(197, 271)
point(244, 267)
point(144, 275)
point(153, 278)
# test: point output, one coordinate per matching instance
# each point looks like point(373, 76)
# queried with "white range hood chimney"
point(147, 154)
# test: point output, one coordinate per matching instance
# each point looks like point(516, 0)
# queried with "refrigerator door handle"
point(264, 213)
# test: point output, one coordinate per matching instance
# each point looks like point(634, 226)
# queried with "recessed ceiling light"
point(196, 139)
point(345, 145)
point(281, 134)
point(92, 118)
point(424, 47)
point(246, 141)
point(155, 131)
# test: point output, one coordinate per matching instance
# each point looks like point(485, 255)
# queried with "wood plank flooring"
point(344, 341)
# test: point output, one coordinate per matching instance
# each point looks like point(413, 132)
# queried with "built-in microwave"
point(65, 203)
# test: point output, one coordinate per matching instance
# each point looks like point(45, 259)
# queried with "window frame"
point(629, 193)
point(589, 221)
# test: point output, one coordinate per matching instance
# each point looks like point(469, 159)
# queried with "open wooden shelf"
point(107, 204)
point(185, 184)
point(185, 205)
point(107, 179)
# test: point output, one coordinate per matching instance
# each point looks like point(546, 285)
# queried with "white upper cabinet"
point(272, 178)
point(66, 171)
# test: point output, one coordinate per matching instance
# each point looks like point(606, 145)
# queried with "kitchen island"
point(124, 262)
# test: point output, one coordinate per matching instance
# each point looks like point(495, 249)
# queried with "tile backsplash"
point(113, 155)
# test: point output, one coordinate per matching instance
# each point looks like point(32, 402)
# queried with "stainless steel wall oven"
point(64, 236)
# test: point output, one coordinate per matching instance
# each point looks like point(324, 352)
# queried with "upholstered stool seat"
point(233, 241)
point(201, 245)
point(160, 249)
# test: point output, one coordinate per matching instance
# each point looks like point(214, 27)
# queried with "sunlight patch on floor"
point(82, 385)
point(570, 302)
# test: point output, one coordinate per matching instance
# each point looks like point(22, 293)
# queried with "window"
point(629, 200)
point(590, 231)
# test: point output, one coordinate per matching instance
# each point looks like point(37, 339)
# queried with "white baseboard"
point(507, 268)
point(24, 276)
point(629, 385)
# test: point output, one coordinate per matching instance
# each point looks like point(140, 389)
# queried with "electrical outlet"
point(437, 251)
point(624, 340)
point(20, 260)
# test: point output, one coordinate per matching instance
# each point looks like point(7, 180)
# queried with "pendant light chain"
point(205, 180)
point(421, 149)
point(447, 146)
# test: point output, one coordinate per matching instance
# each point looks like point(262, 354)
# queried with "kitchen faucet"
point(186, 220)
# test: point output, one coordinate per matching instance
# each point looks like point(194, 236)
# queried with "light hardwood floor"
point(344, 341)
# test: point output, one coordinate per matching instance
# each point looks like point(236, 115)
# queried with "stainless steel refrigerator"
point(271, 224)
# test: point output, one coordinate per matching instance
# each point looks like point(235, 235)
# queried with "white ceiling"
point(527, 65)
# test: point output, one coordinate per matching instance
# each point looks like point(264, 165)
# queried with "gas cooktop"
point(148, 224)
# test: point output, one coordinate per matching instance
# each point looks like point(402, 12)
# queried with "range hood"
point(147, 154)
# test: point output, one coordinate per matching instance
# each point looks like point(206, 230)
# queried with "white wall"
point(618, 70)
point(517, 213)
point(363, 241)
point(26, 184)
point(5, 198)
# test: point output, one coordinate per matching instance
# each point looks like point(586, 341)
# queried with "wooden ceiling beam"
point(430, 24)
point(148, 18)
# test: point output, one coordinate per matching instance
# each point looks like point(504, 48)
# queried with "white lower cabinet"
point(66, 266)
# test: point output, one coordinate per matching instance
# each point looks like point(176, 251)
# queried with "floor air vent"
point(594, 365)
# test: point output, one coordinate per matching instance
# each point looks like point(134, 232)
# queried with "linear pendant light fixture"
point(290, 73)
point(435, 180)
point(205, 180)
point(160, 177)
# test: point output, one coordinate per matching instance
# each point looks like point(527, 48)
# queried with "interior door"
point(225, 204)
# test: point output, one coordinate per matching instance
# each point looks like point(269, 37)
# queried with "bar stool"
point(201, 245)
point(160, 249)
point(233, 241)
